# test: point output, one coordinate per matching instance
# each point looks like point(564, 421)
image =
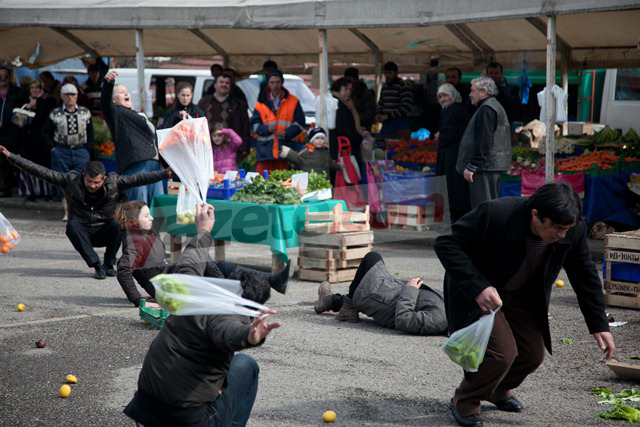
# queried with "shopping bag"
point(9, 237)
point(466, 347)
point(22, 117)
point(373, 192)
point(186, 147)
point(351, 194)
point(186, 295)
point(531, 181)
point(350, 167)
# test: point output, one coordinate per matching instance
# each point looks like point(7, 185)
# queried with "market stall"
point(605, 160)
point(273, 225)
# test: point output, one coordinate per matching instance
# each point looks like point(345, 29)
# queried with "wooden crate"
point(622, 248)
point(336, 221)
point(410, 216)
point(332, 257)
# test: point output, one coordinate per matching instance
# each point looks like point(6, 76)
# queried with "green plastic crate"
point(152, 315)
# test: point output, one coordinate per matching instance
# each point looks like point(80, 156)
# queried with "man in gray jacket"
point(485, 148)
point(411, 307)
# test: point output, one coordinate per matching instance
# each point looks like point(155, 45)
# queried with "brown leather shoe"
point(324, 298)
point(348, 312)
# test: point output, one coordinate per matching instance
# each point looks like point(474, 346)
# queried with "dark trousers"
point(485, 186)
point(367, 263)
point(84, 239)
point(234, 405)
point(516, 349)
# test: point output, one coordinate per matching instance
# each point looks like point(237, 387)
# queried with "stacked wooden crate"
point(333, 244)
point(622, 264)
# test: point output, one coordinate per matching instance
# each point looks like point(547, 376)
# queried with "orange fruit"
point(15, 235)
point(4, 238)
point(10, 246)
point(4, 249)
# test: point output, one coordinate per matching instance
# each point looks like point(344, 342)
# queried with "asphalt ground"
point(368, 375)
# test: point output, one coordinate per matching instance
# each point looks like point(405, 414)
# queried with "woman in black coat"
point(182, 107)
point(453, 122)
point(347, 121)
point(33, 146)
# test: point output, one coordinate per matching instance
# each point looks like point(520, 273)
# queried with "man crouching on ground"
point(191, 376)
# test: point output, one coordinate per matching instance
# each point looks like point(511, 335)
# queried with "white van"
point(621, 99)
point(161, 82)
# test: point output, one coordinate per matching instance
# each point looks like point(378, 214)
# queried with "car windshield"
point(251, 86)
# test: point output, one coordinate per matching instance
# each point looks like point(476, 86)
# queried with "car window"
point(206, 86)
point(251, 86)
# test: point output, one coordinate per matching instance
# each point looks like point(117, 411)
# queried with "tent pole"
point(142, 93)
point(324, 79)
point(378, 72)
point(564, 70)
point(549, 101)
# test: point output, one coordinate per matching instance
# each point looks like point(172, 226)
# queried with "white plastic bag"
point(186, 295)
point(9, 237)
point(467, 346)
point(330, 107)
point(187, 149)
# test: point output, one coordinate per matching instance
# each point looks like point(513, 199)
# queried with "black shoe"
point(111, 272)
point(277, 281)
point(470, 421)
point(100, 272)
point(511, 404)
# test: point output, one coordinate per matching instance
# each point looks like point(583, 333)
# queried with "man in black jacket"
point(91, 198)
point(506, 254)
point(191, 375)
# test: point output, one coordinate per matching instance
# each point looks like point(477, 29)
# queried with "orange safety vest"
point(283, 119)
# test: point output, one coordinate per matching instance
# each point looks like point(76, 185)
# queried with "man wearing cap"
point(277, 119)
point(68, 132)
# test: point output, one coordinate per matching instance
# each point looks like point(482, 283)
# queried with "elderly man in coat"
point(412, 307)
point(506, 254)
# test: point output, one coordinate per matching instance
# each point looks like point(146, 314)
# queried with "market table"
point(605, 198)
point(276, 226)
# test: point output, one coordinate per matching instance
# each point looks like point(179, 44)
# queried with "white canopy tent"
point(468, 34)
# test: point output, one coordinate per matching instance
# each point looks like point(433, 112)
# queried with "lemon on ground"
point(65, 391)
point(71, 379)
point(21, 307)
point(329, 416)
point(560, 283)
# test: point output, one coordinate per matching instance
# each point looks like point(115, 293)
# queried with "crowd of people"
point(502, 254)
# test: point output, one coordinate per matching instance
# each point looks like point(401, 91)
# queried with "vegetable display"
point(268, 191)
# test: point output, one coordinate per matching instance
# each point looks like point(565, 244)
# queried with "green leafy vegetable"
point(609, 398)
point(269, 191)
point(566, 341)
point(635, 357)
point(318, 181)
point(622, 412)
point(606, 135)
point(468, 356)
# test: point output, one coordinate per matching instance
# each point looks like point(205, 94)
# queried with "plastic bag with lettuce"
point(467, 346)
point(186, 295)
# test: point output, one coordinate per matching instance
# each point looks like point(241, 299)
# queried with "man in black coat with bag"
point(507, 253)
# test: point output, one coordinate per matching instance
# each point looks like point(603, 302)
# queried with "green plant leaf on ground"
point(566, 341)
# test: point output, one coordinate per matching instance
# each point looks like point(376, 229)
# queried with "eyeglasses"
point(70, 94)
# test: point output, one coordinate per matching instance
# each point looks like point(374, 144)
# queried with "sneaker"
point(348, 312)
point(100, 272)
point(324, 298)
point(111, 272)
